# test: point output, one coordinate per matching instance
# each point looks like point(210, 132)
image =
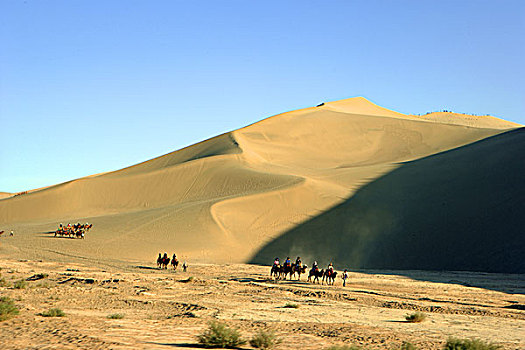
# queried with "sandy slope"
point(5, 195)
point(224, 199)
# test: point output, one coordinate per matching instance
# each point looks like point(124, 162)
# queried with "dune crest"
point(474, 121)
point(225, 198)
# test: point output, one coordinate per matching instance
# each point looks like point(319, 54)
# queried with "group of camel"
point(164, 261)
point(73, 231)
point(281, 271)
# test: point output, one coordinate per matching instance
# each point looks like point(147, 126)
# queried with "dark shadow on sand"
point(191, 345)
point(459, 210)
point(147, 267)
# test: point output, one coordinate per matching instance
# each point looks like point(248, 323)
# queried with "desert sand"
point(163, 309)
point(382, 193)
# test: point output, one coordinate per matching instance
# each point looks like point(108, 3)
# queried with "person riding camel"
point(287, 262)
point(298, 261)
point(331, 267)
point(276, 262)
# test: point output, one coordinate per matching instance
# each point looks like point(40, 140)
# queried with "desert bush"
point(21, 284)
point(407, 346)
point(292, 305)
point(264, 340)
point(344, 347)
point(469, 344)
point(416, 317)
point(218, 335)
point(55, 312)
point(3, 282)
point(8, 309)
point(116, 316)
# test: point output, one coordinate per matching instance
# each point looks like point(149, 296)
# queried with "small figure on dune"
point(12, 233)
point(184, 266)
point(344, 277)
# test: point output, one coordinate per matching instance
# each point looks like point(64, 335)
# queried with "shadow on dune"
point(460, 210)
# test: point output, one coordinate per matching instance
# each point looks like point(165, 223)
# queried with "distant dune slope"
point(225, 198)
point(460, 209)
point(5, 195)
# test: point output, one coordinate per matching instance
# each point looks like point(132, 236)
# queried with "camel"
point(330, 276)
point(316, 273)
point(174, 262)
point(299, 270)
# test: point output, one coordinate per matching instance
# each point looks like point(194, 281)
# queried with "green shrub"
point(218, 335)
point(3, 282)
point(264, 340)
point(116, 316)
point(53, 313)
point(407, 346)
point(469, 344)
point(21, 284)
point(291, 305)
point(416, 317)
point(8, 309)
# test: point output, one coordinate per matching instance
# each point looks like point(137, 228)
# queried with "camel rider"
point(331, 267)
point(276, 262)
point(298, 261)
point(315, 267)
point(287, 262)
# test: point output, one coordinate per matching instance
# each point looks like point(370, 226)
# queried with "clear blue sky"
point(94, 86)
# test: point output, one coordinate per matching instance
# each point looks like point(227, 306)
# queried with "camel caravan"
point(73, 231)
point(290, 269)
point(164, 261)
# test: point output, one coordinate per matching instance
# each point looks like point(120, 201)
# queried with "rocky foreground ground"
point(164, 309)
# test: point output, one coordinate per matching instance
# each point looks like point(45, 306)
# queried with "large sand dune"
point(249, 194)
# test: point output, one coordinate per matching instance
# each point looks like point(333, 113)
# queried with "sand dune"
point(458, 209)
point(226, 198)
point(5, 195)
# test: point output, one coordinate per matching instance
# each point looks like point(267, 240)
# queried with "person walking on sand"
point(344, 277)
